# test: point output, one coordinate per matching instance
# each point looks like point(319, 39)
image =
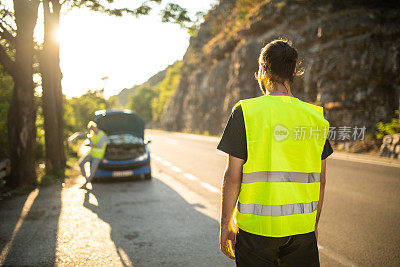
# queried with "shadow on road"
point(151, 224)
point(28, 227)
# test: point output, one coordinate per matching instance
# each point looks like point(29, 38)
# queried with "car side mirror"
point(146, 142)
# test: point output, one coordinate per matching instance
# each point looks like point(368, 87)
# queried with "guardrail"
point(5, 169)
point(390, 146)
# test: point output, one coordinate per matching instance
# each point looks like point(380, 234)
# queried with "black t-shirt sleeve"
point(233, 140)
point(327, 150)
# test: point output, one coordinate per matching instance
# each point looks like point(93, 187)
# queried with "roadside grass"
point(43, 179)
point(72, 158)
point(369, 145)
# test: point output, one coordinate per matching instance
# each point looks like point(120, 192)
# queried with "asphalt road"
point(172, 220)
point(359, 225)
point(156, 222)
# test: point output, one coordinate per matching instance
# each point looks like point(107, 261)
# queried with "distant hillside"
point(148, 100)
point(350, 51)
point(124, 96)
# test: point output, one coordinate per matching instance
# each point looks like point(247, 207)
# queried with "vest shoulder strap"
point(236, 105)
point(315, 107)
point(247, 100)
point(255, 100)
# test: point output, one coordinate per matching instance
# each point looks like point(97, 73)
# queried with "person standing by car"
point(274, 181)
point(98, 144)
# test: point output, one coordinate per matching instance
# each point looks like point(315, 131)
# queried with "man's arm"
point(230, 192)
point(321, 194)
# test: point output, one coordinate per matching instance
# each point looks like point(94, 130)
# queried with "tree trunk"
point(52, 99)
point(22, 113)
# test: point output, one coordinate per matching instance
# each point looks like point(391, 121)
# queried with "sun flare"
point(58, 34)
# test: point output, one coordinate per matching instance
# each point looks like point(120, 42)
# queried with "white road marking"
point(190, 176)
point(210, 187)
point(329, 253)
point(171, 141)
point(166, 163)
point(187, 175)
point(176, 169)
point(337, 257)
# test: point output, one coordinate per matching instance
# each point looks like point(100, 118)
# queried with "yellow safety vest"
point(98, 152)
point(281, 178)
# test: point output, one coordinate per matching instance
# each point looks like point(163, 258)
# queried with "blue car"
point(127, 153)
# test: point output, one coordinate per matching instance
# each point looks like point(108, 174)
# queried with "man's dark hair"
point(277, 64)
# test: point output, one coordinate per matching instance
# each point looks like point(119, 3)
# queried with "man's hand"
point(227, 242)
point(230, 192)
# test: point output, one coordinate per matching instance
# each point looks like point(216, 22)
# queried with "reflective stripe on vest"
point(281, 177)
point(98, 152)
point(276, 176)
point(277, 210)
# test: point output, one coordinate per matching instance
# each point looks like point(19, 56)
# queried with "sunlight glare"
point(57, 34)
point(126, 49)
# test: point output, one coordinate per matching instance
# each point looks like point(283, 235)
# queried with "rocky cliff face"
point(350, 55)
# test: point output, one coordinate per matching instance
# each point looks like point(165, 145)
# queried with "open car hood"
point(121, 123)
point(124, 139)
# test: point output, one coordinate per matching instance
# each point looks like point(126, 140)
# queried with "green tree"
point(388, 128)
point(50, 63)
point(16, 56)
point(16, 34)
point(6, 86)
point(141, 101)
point(80, 110)
point(164, 90)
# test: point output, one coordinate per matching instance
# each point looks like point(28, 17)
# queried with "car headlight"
point(142, 157)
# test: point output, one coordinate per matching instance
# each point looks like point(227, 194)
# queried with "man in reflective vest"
point(98, 144)
point(274, 181)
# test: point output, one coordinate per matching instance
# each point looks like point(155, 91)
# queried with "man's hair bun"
point(278, 58)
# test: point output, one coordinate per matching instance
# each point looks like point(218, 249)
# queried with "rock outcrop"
point(350, 56)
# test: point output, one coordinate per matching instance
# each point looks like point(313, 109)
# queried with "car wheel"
point(147, 176)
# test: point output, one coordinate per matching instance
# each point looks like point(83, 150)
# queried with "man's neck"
point(280, 89)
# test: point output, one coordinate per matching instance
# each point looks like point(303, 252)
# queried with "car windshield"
point(121, 123)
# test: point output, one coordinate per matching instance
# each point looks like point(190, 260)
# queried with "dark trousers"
point(256, 250)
